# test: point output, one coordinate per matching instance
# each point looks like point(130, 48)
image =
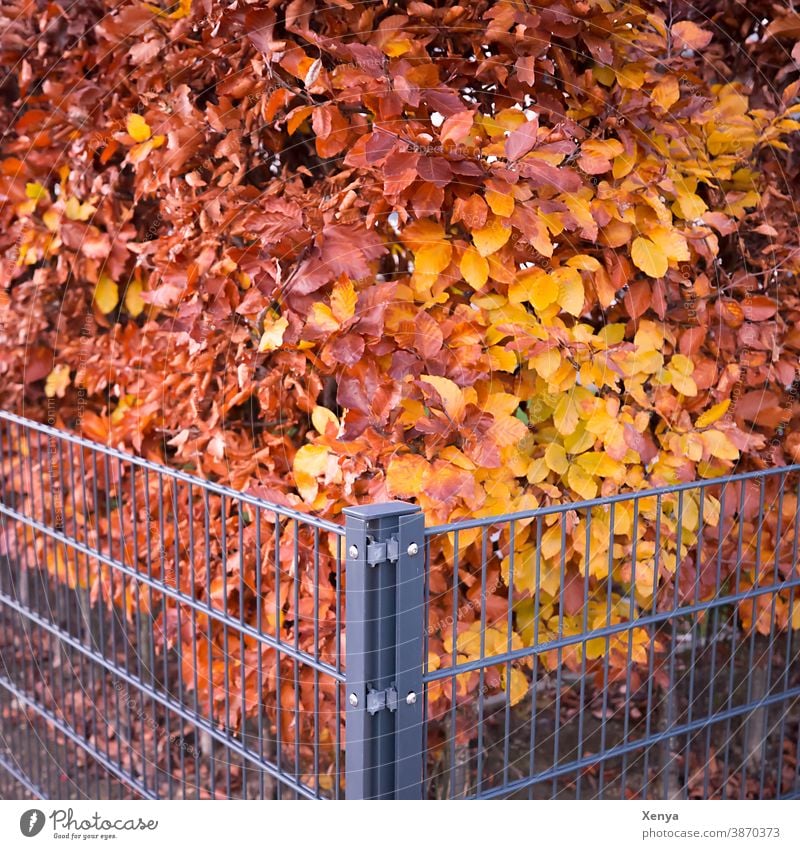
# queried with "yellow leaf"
point(133, 298)
point(502, 205)
point(491, 238)
point(535, 286)
point(556, 458)
point(681, 364)
point(600, 464)
point(321, 318)
point(649, 257)
point(623, 165)
point(537, 470)
point(683, 383)
point(583, 262)
point(138, 129)
point(322, 418)
point(183, 8)
point(77, 211)
point(517, 687)
point(502, 359)
point(272, 337)
point(433, 258)
point(565, 415)
point(343, 301)
point(451, 395)
point(667, 92)
point(630, 76)
point(671, 243)
point(649, 336)
point(719, 445)
point(52, 220)
point(106, 294)
point(57, 382)
point(36, 191)
point(310, 460)
point(595, 648)
point(689, 206)
point(713, 414)
point(474, 268)
point(139, 152)
point(547, 363)
point(603, 74)
point(570, 290)
point(397, 47)
point(581, 482)
point(406, 475)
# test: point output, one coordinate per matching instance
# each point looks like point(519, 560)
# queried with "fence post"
point(385, 616)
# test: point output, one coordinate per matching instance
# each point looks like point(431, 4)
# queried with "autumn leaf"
point(501, 204)
point(134, 303)
point(688, 35)
point(474, 268)
point(713, 414)
point(491, 238)
point(649, 257)
point(719, 445)
point(77, 211)
point(57, 381)
point(139, 152)
point(538, 288)
point(179, 9)
point(667, 92)
point(272, 337)
point(433, 258)
point(138, 129)
point(456, 127)
point(556, 458)
point(324, 420)
point(310, 462)
point(680, 371)
point(36, 192)
point(343, 301)
point(451, 395)
point(522, 140)
point(406, 475)
point(570, 290)
point(106, 294)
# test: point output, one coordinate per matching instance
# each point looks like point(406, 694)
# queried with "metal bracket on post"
point(385, 621)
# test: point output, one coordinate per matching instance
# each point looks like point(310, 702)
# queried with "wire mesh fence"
point(651, 651)
point(162, 636)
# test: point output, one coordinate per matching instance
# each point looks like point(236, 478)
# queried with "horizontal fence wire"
point(645, 645)
point(161, 636)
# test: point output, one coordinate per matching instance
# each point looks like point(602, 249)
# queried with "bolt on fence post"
point(385, 621)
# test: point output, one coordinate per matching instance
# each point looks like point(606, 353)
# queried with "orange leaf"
point(474, 268)
point(491, 238)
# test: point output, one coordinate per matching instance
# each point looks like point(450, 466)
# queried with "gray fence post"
point(385, 616)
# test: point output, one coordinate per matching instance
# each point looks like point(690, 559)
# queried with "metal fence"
point(162, 636)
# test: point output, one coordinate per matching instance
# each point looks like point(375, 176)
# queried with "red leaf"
point(456, 127)
point(522, 140)
point(434, 169)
